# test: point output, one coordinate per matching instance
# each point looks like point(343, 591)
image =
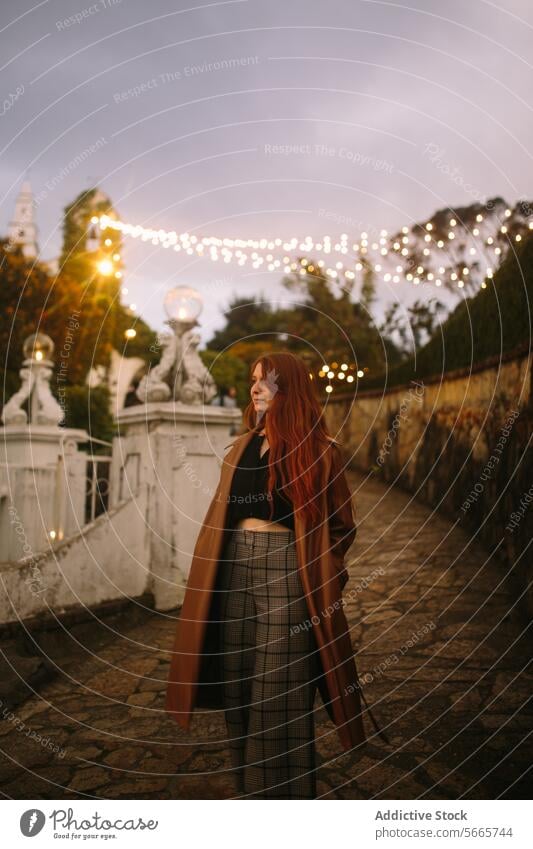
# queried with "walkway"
point(441, 651)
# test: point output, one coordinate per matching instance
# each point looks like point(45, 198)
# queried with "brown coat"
point(194, 677)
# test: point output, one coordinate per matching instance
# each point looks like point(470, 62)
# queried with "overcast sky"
point(182, 145)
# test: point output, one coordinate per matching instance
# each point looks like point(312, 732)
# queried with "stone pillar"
point(177, 450)
point(40, 500)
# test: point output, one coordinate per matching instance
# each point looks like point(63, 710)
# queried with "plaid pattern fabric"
point(270, 666)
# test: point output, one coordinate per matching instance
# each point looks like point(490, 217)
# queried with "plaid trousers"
point(269, 666)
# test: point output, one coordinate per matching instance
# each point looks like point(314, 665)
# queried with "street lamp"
point(183, 305)
point(105, 267)
point(180, 375)
point(38, 348)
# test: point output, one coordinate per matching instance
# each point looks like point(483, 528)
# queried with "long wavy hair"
point(295, 429)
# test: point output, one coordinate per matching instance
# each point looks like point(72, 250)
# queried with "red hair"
point(295, 429)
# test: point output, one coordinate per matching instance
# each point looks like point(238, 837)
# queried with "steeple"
point(22, 229)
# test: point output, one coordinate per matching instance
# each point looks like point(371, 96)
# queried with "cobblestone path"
point(440, 647)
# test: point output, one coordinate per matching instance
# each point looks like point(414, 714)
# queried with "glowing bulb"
point(105, 266)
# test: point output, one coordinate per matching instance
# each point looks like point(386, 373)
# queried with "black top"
point(249, 497)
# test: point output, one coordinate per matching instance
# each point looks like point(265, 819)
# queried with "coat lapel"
point(231, 460)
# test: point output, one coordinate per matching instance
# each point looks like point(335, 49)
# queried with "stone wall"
point(460, 443)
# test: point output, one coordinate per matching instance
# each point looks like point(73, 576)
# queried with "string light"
point(273, 253)
point(105, 267)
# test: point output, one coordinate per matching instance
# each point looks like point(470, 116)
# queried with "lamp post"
point(180, 375)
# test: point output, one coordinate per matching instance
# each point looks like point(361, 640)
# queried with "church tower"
point(22, 229)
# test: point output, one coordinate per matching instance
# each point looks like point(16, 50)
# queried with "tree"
point(34, 300)
point(319, 327)
point(416, 325)
point(93, 257)
point(423, 318)
point(496, 320)
point(31, 301)
point(335, 329)
point(457, 246)
point(89, 409)
point(246, 318)
point(228, 369)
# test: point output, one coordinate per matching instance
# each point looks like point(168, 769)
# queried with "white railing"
point(97, 481)
point(97, 492)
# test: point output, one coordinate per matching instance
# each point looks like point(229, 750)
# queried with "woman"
point(262, 623)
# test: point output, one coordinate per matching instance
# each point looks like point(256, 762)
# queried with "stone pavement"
point(441, 649)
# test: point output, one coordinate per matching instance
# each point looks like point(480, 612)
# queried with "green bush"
point(88, 409)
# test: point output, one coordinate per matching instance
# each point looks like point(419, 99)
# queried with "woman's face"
point(262, 391)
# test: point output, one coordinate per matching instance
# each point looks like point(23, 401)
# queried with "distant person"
point(131, 399)
point(230, 399)
point(225, 397)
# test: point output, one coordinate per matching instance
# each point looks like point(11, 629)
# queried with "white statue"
point(35, 375)
point(152, 386)
point(180, 375)
point(198, 387)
